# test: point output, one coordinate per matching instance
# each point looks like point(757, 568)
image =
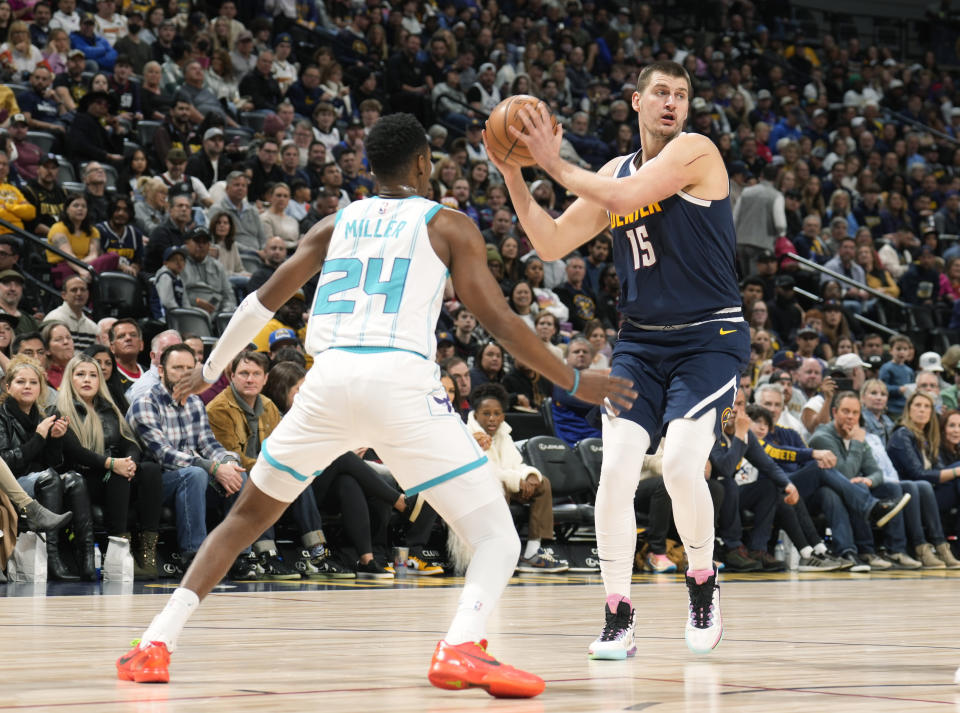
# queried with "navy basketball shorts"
point(681, 373)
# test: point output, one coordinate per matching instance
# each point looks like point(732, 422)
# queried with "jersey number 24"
point(354, 273)
point(643, 255)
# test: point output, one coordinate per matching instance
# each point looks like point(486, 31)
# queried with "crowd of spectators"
point(190, 145)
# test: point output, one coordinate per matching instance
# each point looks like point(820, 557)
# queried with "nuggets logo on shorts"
point(726, 416)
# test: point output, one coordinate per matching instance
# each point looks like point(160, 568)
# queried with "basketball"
point(504, 147)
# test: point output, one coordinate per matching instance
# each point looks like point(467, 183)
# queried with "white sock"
point(805, 552)
point(532, 547)
point(167, 625)
point(616, 521)
point(496, 546)
point(820, 548)
point(686, 448)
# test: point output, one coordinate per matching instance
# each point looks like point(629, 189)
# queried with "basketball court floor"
point(792, 642)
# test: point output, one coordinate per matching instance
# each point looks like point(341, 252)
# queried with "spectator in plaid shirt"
point(179, 436)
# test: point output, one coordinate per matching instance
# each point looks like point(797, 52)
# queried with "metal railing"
point(876, 326)
point(41, 244)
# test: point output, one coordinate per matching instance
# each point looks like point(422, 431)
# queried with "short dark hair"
point(288, 354)
point(21, 338)
point(668, 67)
point(11, 242)
point(446, 364)
point(181, 347)
point(258, 358)
point(759, 413)
point(112, 333)
point(490, 391)
point(393, 142)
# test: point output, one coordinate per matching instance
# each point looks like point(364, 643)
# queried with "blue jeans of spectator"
point(760, 497)
point(29, 481)
point(922, 515)
point(894, 533)
point(829, 502)
point(186, 489)
point(305, 512)
point(811, 477)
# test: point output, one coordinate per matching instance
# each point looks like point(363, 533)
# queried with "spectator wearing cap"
point(133, 45)
point(242, 56)
point(449, 100)
point(46, 195)
point(764, 109)
point(14, 207)
point(759, 219)
point(94, 47)
point(94, 134)
point(205, 282)
point(179, 182)
point(95, 190)
point(284, 337)
point(484, 95)
point(766, 273)
point(702, 119)
point(167, 283)
point(283, 70)
point(788, 127)
point(66, 17)
point(119, 235)
point(41, 105)
point(210, 164)
point(786, 316)
point(250, 235)
point(28, 153)
point(11, 295)
point(445, 345)
point(947, 218)
point(70, 86)
point(169, 45)
point(920, 284)
point(171, 231)
point(260, 86)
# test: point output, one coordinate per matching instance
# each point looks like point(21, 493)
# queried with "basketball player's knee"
point(679, 468)
point(511, 545)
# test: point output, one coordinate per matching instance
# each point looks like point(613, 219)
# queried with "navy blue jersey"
point(675, 259)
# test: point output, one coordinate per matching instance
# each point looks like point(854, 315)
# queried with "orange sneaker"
point(468, 665)
point(149, 664)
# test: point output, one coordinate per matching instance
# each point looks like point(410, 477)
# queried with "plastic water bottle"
point(97, 559)
point(779, 553)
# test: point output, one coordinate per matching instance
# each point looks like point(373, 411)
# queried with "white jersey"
point(381, 286)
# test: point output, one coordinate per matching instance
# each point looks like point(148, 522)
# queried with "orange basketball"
point(503, 146)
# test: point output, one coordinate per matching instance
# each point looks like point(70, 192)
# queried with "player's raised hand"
point(541, 137)
point(597, 386)
point(191, 383)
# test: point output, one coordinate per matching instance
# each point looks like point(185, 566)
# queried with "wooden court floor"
point(792, 643)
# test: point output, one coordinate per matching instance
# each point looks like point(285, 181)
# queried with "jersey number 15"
point(643, 255)
point(354, 273)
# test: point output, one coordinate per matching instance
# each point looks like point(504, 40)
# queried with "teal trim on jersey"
point(285, 468)
point(433, 482)
point(432, 213)
point(378, 350)
point(413, 248)
point(337, 219)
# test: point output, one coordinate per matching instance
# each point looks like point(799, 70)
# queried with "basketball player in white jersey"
point(384, 262)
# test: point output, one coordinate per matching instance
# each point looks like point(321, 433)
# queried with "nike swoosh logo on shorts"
point(727, 331)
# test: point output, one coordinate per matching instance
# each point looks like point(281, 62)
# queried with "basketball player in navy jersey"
point(683, 343)
point(383, 264)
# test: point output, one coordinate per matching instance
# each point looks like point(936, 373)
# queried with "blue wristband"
point(576, 382)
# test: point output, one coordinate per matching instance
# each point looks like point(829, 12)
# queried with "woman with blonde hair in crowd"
point(811, 198)
point(840, 206)
point(23, 55)
point(107, 455)
point(221, 79)
point(32, 444)
point(914, 450)
point(151, 212)
point(445, 172)
point(275, 220)
point(878, 277)
point(55, 53)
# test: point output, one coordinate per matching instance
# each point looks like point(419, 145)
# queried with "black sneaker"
point(768, 561)
point(319, 563)
point(245, 567)
point(272, 567)
point(176, 566)
point(739, 561)
point(885, 510)
point(373, 570)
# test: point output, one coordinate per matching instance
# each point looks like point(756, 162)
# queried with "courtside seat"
point(590, 452)
point(572, 487)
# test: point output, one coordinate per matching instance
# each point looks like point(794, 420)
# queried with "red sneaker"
point(468, 665)
point(149, 664)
